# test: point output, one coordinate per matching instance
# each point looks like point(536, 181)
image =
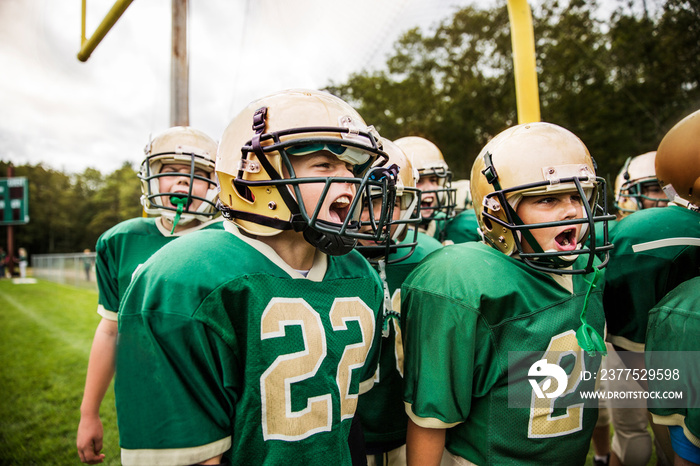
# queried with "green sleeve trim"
point(176, 456)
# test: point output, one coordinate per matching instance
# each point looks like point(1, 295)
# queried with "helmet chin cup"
point(590, 340)
point(329, 243)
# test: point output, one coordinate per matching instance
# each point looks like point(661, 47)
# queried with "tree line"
point(619, 83)
point(68, 212)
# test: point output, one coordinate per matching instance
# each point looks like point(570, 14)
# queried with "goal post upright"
point(87, 45)
point(524, 61)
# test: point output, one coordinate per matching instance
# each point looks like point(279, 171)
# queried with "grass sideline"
point(46, 332)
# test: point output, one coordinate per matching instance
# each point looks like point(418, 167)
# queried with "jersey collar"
point(316, 273)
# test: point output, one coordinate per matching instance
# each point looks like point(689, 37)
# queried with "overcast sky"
point(71, 115)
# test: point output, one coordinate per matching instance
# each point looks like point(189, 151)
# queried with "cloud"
point(71, 115)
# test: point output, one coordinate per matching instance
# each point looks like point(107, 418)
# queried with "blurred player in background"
point(381, 410)
point(674, 328)
point(463, 196)
point(636, 188)
point(463, 227)
point(435, 182)
point(649, 260)
point(674, 322)
point(178, 185)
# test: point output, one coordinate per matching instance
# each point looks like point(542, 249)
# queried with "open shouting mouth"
point(338, 210)
point(427, 202)
point(566, 240)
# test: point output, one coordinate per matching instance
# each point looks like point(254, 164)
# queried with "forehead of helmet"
point(296, 108)
point(182, 139)
point(522, 152)
point(462, 187)
point(407, 174)
point(678, 155)
point(642, 167)
point(423, 153)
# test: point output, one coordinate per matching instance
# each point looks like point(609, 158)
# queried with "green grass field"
point(46, 331)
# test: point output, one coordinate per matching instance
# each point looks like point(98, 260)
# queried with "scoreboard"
point(14, 201)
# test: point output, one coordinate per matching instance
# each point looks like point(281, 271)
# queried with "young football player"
point(381, 410)
point(648, 261)
point(636, 186)
point(463, 196)
point(463, 227)
point(674, 326)
point(23, 261)
point(674, 322)
point(435, 182)
point(477, 315)
point(262, 336)
point(177, 181)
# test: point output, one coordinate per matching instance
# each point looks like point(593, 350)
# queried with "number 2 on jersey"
point(542, 423)
point(278, 420)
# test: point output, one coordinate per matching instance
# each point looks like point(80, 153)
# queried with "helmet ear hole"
point(243, 191)
point(488, 224)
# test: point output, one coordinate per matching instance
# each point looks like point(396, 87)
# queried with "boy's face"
point(181, 184)
point(429, 200)
point(654, 191)
point(377, 206)
point(336, 204)
point(552, 208)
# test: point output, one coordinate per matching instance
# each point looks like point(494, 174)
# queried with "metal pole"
point(179, 69)
point(10, 235)
point(88, 45)
point(524, 61)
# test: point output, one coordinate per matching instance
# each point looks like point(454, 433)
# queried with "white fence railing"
point(77, 269)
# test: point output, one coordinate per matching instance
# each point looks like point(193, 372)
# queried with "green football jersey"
point(674, 325)
point(381, 410)
point(635, 282)
point(463, 228)
point(224, 346)
point(122, 249)
point(469, 315)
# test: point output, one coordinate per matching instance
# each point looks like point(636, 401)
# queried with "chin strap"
point(588, 338)
point(180, 203)
point(328, 243)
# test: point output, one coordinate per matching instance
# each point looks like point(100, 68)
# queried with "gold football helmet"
point(678, 162)
point(429, 161)
point(636, 174)
point(403, 202)
point(259, 189)
point(184, 146)
point(531, 160)
point(463, 197)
